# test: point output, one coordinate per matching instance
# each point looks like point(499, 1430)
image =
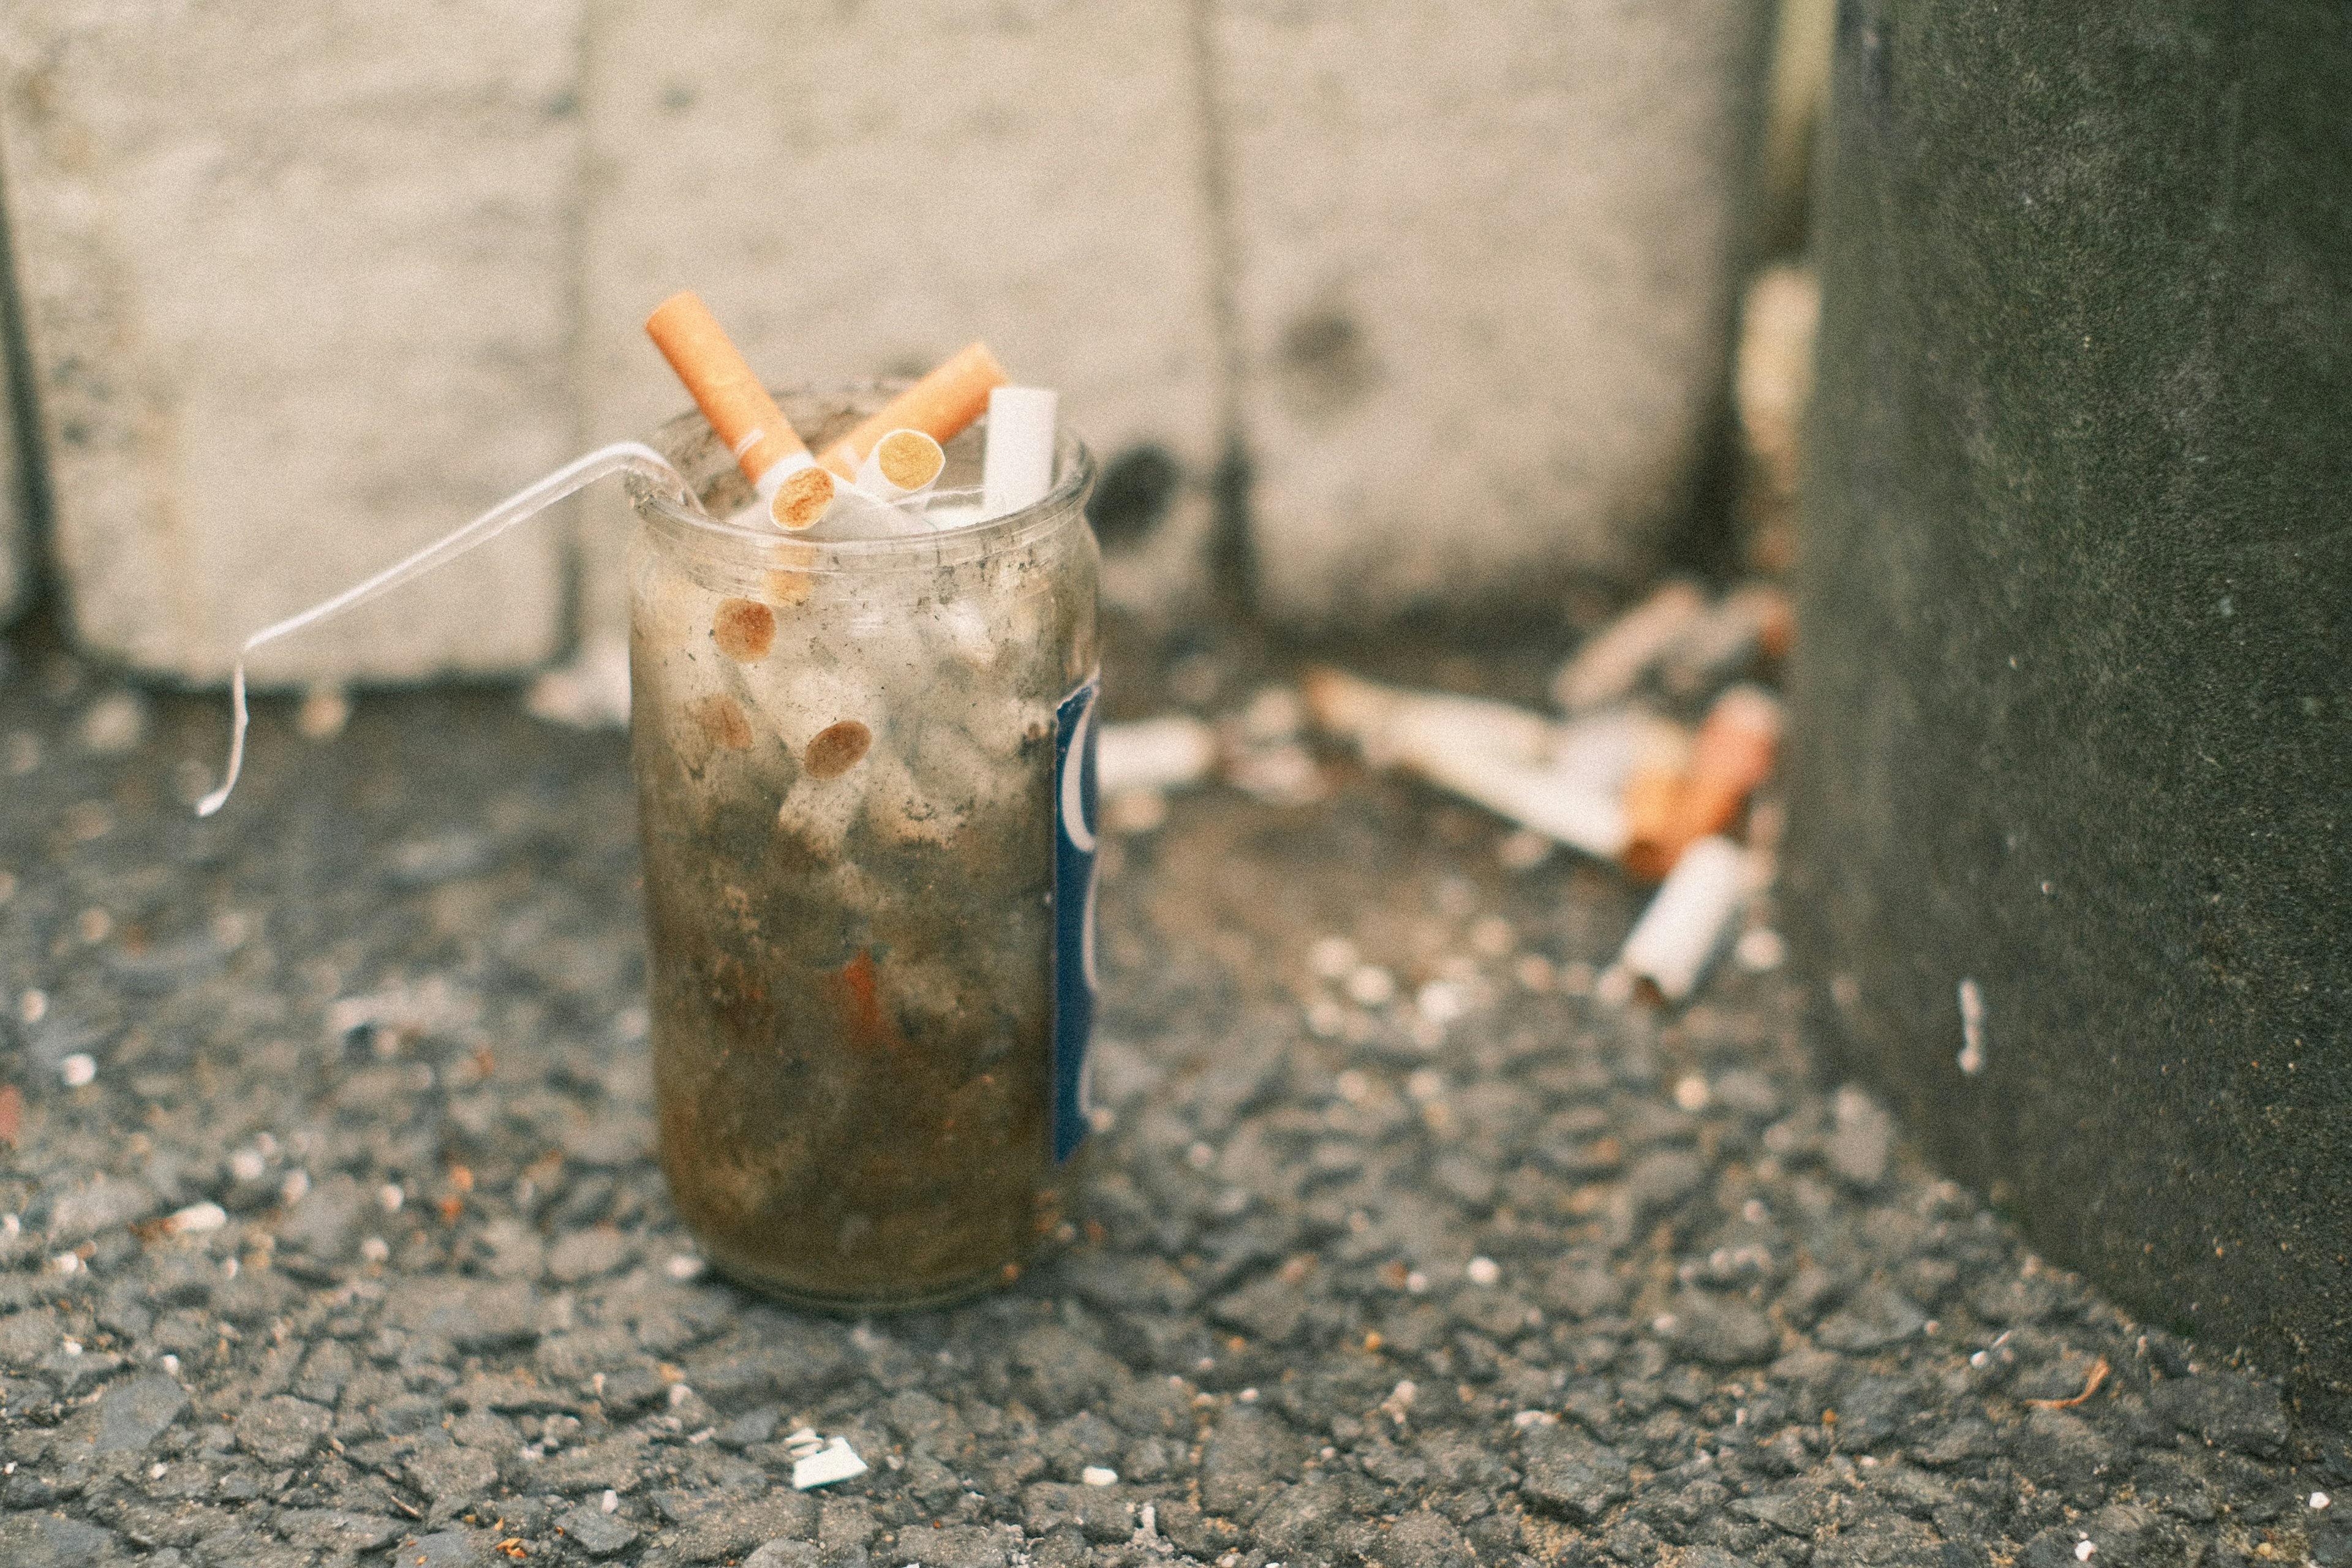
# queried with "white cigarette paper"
point(1019, 466)
point(1564, 781)
point(1681, 932)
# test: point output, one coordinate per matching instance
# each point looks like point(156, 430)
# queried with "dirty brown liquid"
point(845, 765)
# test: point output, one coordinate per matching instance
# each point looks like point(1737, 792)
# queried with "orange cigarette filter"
point(942, 406)
point(739, 410)
point(1653, 802)
point(1734, 754)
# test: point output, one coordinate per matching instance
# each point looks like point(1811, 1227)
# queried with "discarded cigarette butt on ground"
point(904, 464)
point(1614, 660)
point(1602, 786)
point(1684, 926)
point(1166, 752)
point(1748, 625)
point(940, 406)
point(1733, 752)
point(1395, 727)
point(1019, 466)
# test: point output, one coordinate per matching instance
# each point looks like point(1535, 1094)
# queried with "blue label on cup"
point(1074, 913)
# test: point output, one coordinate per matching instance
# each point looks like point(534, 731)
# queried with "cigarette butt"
point(1019, 468)
point(798, 492)
point(1733, 754)
point(1748, 626)
point(1393, 727)
point(903, 464)
point(1653, 802)
point(741, 412)
point(940, 406)
point(1159, 753)
point(1614, 661)
point(1684, 926)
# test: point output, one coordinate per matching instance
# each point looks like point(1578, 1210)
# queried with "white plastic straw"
point(622, 456)
point(1019, 466)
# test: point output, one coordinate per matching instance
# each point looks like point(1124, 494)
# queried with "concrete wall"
point(304, 288)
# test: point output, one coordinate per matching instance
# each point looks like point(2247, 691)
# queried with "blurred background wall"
point(1387, 307)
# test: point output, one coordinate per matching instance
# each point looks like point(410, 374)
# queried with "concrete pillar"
point(297, 288)
point(2070, 825)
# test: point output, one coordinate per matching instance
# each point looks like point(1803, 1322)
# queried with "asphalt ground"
point(1396, 1244)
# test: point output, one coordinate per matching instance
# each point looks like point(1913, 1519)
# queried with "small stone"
point(133, 1414)
point(1863, 1145)
point(589, 1254)
point(1568, 1473)
point(198, 1219)
point(1483, 1271)
point(281, 1430)
point(784, 1552)
point(78, 1069)
point(1098, 1476)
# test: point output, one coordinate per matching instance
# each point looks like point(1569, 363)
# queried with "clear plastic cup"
point(866, 785)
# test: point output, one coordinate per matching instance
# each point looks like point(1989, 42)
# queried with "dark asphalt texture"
point(1493, 1272)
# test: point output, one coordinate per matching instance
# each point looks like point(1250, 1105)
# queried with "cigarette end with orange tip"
point(1733, 754)
point(942, 406)
point(767, 449)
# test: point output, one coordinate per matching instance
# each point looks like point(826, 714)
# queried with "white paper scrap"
point(836, 1461)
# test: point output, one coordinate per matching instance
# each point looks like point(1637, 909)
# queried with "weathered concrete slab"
point(2068, 801)
point(1485, 285)
point(868, 195)
point(297, 286)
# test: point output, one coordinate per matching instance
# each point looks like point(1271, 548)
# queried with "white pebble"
point(171, 1365)
point(2083, 1551)
point(391, 1197)
point(113, 724)
point(1417, 1283)
point(1761, 950)
point(683, 1266)
point(612, 1500)
point(33, 1006)
point(247, 1165)
point(78, 1069)
point(1425, 1085)
point(1370, 985)
point(198, 1219)
point(1332, 957)
point(1442, 1002)
point(1492, 937)
point(1691, 1093)
point(1484, 1271)
point(2319, 1500)
point(1098, 1476)
point(66, 1263)
point(71, 1346)
point(375, 1250)
point(295, 1186)
point(679, 1394)
point(1523, 850)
